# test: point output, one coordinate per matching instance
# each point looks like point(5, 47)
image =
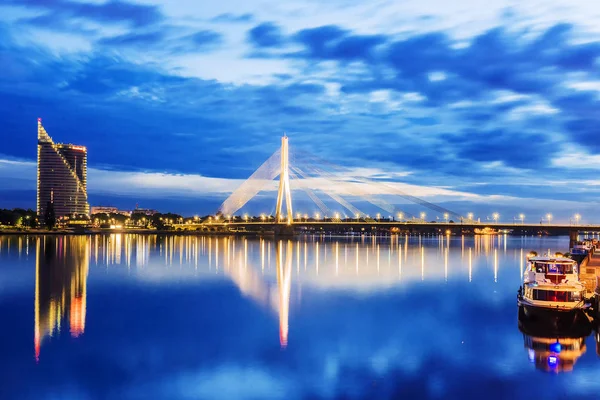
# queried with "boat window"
point(554, 268)
point(555, 295)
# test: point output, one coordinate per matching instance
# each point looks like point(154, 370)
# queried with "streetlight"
point(337, 215)
point(298, 216)
point(446, 217)
point(378, 216)
point(246, 217)
point(357, 216)
point(470, 216)
point(577, 218)
point(400, 216)
point(262, 216)
point(317, 216)
point(549, 217)
point(496, 216)
point(522, 218)
point(423, 215)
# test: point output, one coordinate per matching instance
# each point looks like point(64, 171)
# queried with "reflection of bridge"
point(322, 181)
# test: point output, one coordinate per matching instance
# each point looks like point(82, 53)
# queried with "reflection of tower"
point(60, 286)
point(284, 184)
point(284, 279)
point(553, 351)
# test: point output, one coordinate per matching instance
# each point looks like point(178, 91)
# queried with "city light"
point(423, 215)
point(400, 216)
point(522, 218)
point(470, 216)
point(446, 217)
point(549, 217)
point(317, 216)
point(577, 218)
point(496, 216)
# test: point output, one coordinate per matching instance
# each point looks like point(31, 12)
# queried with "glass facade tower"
point(61, 176)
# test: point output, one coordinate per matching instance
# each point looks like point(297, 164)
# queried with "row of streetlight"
point(317, 216)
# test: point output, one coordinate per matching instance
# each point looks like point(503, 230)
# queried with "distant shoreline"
point(44, 232)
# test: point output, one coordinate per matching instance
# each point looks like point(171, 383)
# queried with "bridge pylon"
point(284, 185)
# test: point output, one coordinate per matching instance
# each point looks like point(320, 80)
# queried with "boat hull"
point(552, 320)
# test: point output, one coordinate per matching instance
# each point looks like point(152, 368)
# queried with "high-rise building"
point(61, 176)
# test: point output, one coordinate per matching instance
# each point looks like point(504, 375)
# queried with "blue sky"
point(479, 106)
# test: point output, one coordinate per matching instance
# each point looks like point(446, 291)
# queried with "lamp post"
point(400, 216)
point(423, 215)
point(470, 217)
point(496, 216)
point(549, 218)
point(446, 217)
point(522, 218)
point(577, 218)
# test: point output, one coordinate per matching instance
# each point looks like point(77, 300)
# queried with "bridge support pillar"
point(284, 185)
point(573, 238)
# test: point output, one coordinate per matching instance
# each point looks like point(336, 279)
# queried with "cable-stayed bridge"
point(322, 181)
point(327, 184)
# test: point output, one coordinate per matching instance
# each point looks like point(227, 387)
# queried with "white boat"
point(552, 289)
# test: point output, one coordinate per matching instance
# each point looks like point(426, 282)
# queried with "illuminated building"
point(109, 210)
point(60, 286)
point(61, 176)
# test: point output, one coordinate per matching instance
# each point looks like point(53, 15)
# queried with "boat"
point(552, 291)
point(554, 350)
point(485, 231)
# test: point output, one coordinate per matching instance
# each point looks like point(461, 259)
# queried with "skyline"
point(481, 109)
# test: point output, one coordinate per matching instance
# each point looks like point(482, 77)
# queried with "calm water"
point(146, 316)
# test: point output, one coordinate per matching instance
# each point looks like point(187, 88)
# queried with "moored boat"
point(552, 291)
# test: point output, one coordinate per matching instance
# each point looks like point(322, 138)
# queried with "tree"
point(50, 216)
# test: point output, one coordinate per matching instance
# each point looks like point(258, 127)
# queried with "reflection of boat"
point(485, 231)
point(552, 291)
point(553, 350)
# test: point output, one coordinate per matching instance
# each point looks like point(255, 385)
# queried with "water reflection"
point(554, 351)
point(263, 269)
point(60, 286)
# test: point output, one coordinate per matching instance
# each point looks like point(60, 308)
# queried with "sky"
point(478, 106)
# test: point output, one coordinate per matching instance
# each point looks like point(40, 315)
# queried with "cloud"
point(233, 18)
point(163, 41)
point(266, 34)
point(112, 11)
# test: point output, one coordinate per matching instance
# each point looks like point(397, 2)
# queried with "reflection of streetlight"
point(577, 218)
point(522, 218)
point(549, 217)
point(496, 216)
